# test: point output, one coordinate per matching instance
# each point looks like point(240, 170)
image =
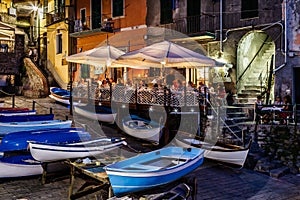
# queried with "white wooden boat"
point(9, 111)
point(46, 152)
point(17, 112)
point(225, 153)
point(19, 166)
point(152, 169)
point(61, 95)
point(95, 112)
point(141, 128)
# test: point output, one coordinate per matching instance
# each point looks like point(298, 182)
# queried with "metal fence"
point(147, 96)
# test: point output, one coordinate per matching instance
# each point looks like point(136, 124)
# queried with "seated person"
point(260, 114)
point(287, 109)
point(278, 102)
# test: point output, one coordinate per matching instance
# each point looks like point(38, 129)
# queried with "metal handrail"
point(254, 57)
point(226, 125)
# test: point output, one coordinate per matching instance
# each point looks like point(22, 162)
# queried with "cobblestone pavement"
point(214, 181)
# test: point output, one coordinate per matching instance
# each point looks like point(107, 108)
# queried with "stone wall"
point(281, 147)
point(35, 84)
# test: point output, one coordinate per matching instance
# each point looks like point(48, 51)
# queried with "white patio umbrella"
point(165, 54)
point(103, 55)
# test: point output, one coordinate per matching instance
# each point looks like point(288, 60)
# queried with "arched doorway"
point(255, 56)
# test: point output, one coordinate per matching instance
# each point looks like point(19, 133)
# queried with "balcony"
point(8, 19)
point(92, 23)
point(193, 25)
point(52, 17)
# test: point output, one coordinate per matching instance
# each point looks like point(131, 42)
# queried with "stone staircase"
point(235, 116)
point(254, 81)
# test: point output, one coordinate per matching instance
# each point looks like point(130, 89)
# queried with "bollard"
point(50, 110)
point(33, 105)
point(13, 101)
point(243, 137)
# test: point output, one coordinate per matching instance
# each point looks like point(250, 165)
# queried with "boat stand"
point(50, 169)
point(181, 190)
point(94, 177)
point(92, 183)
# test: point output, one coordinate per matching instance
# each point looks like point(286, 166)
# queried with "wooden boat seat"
point(145, 167)
point(177, 158)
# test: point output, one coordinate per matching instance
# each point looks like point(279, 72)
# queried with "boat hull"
point(150, 132)
point(61, 95)
point(61, 100)
point(51, 152)
point(17, 141)
point(17, 112)
point(225, 154)
point(26, 118)
point(15, 166)
point(131, 178)
point(93, 114)
point(6, 128)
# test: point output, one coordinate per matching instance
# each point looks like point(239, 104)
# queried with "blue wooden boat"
point(96, 112)
point(16, 160)
point(61, 95)
point(59, 92)
point(25, 118)
point(153, 169)
point(9, 127)
point(142, 128)
point(17, 141)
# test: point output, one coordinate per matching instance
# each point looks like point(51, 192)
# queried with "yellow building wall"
point(56, 60)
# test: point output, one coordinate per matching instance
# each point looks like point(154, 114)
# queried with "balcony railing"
point(193, 24)
point(210, 23)
point(6, 18)
point(89, 23)
point(53, 17)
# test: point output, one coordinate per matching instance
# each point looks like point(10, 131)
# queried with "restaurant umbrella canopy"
point(103, 55)
point(166, 54)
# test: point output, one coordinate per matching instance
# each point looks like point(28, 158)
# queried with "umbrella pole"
point(162, 72)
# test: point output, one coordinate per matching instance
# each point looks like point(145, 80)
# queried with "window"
point(166, 13)
point(83, 16)
point(96, 14)
point(249, 9)
point(85, 71)
point(58, 43)
point(117, 8)
point(45, 8)
point(59, 6)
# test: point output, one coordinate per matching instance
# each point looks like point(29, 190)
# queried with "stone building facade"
point(248, 35)
point(11, 65)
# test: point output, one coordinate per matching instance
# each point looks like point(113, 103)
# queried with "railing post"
point(218, 118)
point(185, 99)
point(88, 90)
point(243, 137)
point(33, 105)
point(13, 101)
point(110, 91)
